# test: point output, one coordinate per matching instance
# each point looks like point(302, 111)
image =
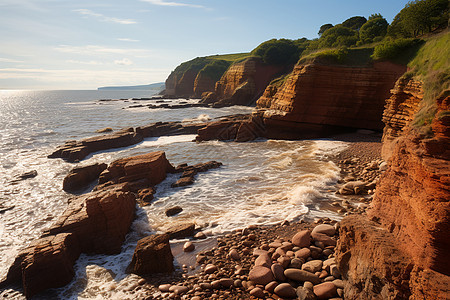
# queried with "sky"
point(85, 44)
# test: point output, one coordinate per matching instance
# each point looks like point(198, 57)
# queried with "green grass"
point(231, 57)
point(431, 65)
point(360, 56)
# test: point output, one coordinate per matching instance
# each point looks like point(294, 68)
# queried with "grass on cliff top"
point(231, 57)
point(360, 56)
point(431, 66)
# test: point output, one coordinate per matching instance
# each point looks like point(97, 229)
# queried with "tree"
point(338, 36)
point(324, 27)
point(282, 51)
point(354, 23)
point(419, 17)
point(375, 28)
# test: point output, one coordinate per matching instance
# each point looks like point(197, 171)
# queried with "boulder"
point(183, 181)
point(325, 290)
point(261, 275)
point(301, 275)
point(152, 166)
point(152, 255)
point(325, 229)
point(98, 220)
point(46, 263)
point(180, 231)
point(285, 290)
point(80, 177)
point(173, 211)
point(302, 239)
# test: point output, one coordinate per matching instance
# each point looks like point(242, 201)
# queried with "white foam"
point(166, 140)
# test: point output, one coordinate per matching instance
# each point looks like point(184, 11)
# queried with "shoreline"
point(366, 147)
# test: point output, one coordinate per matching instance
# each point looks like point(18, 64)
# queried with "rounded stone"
point(303, 253)
point(278, 272)
point(285, 290)
point(164, 287)
point(210, 268)
point(271, 286)
point(325, 290)
point(308, 285)
point(261, 275)
point(188, 247)
point(200, 235)
point(179, 289)
point(263, 260)
point(313, 266)
point(301, 275)
point(325, 229)
point(257, 292)
point(302, 238)
point(233, 254)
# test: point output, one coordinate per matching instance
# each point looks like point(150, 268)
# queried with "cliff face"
point(400, 109)
point(244, 82)
point(411, 208)
point(181, 84)
point(330, 95)
point(203, 84)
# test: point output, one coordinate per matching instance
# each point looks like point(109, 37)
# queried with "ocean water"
point(260, 182)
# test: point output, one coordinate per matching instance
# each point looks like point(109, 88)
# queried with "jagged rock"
point(80, 177)
point(152, 255)
point(152, 166)
point(99, 220)
point(183, 181)
point(46, 263)
point(181, 231)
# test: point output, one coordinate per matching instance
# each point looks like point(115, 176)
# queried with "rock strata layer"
point(317, 99)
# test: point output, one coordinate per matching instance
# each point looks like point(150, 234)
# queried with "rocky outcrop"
point(74, 151)
point(151, 167)
point(80, 177)
point(374, 267)
point(188, 172)
point(152, 255)
point(244, 82)
point(93, 223)
point(400, 110)
point(316, 98)
point(96, 222)
point(236, 128)
point(181, 84)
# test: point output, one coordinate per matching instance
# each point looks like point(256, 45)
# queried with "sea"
point(261, 182)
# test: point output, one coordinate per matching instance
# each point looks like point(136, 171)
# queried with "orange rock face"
point(404, 254)
point(181, 85)
point(244, 82)
point(400, 109)
point(203, 84)
point(330, 95)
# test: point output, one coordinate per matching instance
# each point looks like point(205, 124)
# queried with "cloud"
point(92, 62)
point(8, 60)
point(95, 49)
point(127, 40)
point(168, 3)
point(123, 62)
point(87, 12)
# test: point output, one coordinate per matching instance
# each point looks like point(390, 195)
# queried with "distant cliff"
point(159, 86)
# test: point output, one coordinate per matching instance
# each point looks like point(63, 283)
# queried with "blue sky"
point(84, 44)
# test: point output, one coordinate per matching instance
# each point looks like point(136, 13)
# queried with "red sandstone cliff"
point(404, 255)
point(244, 82)
point(181, 84)
point(316, 95)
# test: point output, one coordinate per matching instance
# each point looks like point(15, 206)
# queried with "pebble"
point(188, 247)
point(301, 275)
point(303, 253)
point(325, 229)
point(257, 292)
point(325, 290)
point(278, 272)
point(285, 290)
point(178, 289)
point(233, 254)
point(200, 235)
point(210, 268)
point(263, 260)
point(312, 266)
point(261, 275)
point(308, 285)
point(302, 238)
point(270, 287)
point(164, 288)
point(296, 263)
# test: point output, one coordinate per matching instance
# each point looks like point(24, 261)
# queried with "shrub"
point(282, 51)
point(392, 49)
